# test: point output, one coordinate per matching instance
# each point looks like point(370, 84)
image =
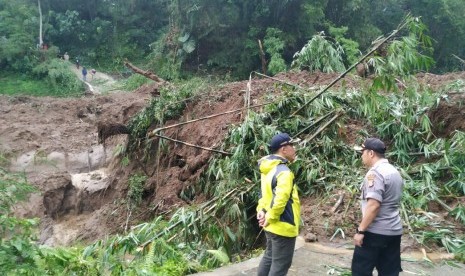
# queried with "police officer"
point(278, 209)
point(378, 235)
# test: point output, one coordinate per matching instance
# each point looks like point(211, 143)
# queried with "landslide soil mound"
point(83, 185)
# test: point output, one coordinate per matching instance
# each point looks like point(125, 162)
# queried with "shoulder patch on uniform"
point(371, 179)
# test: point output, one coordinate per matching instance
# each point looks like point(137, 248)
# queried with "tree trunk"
point(262, 56)
point(41, 40)
point(146, 74)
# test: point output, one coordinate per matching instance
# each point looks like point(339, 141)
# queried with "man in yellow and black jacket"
point(278, 209)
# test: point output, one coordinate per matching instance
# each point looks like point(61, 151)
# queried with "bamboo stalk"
point(208, 211)
point(247, 96)
point(323, 127)
point(416, 170)
point(262, 56)
point(449, 209)
point(192, 145)
point(204, 206)
point(402, 206)
point(155, 131)
point(276, 79)
point(423, 154)
point(404, 211)
point(316, 122)
point(348, 205)
point(352, 67)
point(127, 218)
point(338, 202)
point(461, 60)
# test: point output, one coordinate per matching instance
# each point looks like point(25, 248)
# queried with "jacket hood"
point(269, 162)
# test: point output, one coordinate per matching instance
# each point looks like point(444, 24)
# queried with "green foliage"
point(444, 20)
point(337, 270)
point(200, 36)
point(145, 251)
point(351, 47)
point(13, 188)
point(170, 52)
point(4, 159)
point(206, 236)
point(15, 84)
point(459, 253)
point(326, 164)
point(459, 213)
point(58, 74)
point(18, 29)
point(442, 237)
point(404, 57)
point(20, 255)
point(320, 54)
point(168, 105)
point(274, 46)
point(220, 255)
point(172, 268)
point(402, 118)
point(135, 81)
point(136, 184)
point(17, 248)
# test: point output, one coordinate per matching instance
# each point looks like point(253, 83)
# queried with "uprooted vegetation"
point(214, 222)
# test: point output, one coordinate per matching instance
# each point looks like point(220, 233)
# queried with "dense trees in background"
point(212, 36)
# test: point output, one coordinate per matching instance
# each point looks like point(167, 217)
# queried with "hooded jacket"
point(279, 197)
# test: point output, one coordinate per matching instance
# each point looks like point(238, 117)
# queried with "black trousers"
point(380, 251)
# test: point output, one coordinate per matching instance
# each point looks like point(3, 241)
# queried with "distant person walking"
point(93, 72)
point(66, 56)
point(84, 73)
point(378, 235)
point(77, 63)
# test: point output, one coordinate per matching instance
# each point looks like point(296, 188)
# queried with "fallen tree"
point(146, 74)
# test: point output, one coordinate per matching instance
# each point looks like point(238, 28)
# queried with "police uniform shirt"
point(383, 183)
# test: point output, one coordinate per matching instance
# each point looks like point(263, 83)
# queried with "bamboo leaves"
point(320, 54)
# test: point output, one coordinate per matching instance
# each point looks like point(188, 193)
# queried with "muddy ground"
point(83, 184)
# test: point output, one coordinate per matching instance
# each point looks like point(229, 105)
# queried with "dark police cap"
point(280, 140)
point(373, 144)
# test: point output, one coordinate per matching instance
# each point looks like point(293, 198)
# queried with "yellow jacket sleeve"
point(261, 204)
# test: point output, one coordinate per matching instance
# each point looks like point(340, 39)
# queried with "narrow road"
point(96, 84)
point(318, 259)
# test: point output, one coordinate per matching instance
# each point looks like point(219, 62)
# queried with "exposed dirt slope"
point(55, 141)
point(82, 186)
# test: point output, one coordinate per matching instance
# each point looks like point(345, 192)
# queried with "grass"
point(4, 159)
point(134, 82)
point(19, 85)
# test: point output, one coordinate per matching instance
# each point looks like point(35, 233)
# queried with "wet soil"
point(83, 184)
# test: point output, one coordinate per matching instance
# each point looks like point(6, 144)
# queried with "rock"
point(310, 237)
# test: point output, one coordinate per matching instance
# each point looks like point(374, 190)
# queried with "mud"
point(83, 184)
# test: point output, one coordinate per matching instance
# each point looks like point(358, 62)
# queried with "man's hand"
point(358, 239)
point(261, 219)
